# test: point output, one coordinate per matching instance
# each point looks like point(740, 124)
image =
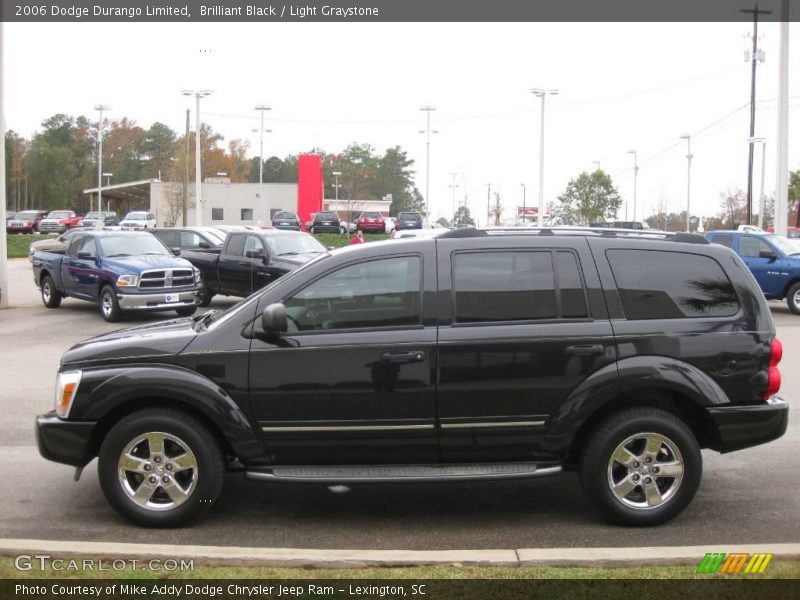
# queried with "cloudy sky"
point(622, 87)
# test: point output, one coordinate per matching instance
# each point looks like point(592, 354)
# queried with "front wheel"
point(205, 298)
point(109, 305)
point(641, 466)
point(793, 298)
point(186, 311)
point(160, 467)
point(51, 297)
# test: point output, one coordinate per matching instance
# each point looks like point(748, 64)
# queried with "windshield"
point(285, 245)
point(31, 215)
point(408, 216)
point(94, 215)
point(59, 214)
point(789, 247)
point(132, 245)
point(215, 234)
point(136, 216)
point(370, 215)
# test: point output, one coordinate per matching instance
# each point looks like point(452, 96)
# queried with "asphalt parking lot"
point(751, 496)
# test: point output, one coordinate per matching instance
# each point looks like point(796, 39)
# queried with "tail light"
point(774, 379)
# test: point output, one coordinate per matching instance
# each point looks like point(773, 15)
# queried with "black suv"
point(327, 221)
point(470, 355)
point(409, 220)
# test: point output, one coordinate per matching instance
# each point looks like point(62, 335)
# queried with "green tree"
point(463, 217)
point(590, 197)
point(159, 150)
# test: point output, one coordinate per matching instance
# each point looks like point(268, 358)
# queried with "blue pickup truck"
point(121, 271)
point(773, 260)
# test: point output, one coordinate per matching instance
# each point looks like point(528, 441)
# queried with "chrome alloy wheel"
point(158, 471)
point(107, 305)
point(796, 299)
point(47, 292)
point(645, 471)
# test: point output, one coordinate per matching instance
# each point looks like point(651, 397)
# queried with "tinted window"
point(570, 286)
point(235, 245)
point(750, 246)
point(671, 285)
point(189, 239)
point(379, 293)
point(724, 239)
point(217, 214)
point(504, 286)
point(409, 216)
point(170, 238)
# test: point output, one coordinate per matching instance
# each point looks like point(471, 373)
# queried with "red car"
point(58, 221)
point(26, 221)
point(791, 233)
point(371, 221)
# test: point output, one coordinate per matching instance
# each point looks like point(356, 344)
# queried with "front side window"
point(189, 239)
point(375, 294)
point(88, 246)
point(724, 239)
point(655, 284)
point(252, 243)
point(751, 246)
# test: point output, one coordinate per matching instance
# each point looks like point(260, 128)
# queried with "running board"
point(401, 473)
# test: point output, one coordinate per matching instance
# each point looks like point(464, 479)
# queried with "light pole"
point(635, 177)
point(453, 187)
point(108, 177)
point(428, 110)
point(100, 108)
point(541, 93)
point(689, 157)
point(523, 202)
point(198, 208)
point(261, 108)
point(763, 142)
point(336, 185)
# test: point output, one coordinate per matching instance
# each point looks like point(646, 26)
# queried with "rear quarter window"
point(656, 284)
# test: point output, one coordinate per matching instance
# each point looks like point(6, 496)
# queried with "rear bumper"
point(408, 226)
point(741, 427)
point(66, 442)
point(374, 228)
point(326, 228)
point(141, 302)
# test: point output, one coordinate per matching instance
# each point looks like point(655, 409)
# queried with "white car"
point(136, 220)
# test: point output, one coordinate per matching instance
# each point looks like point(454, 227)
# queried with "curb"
point(321, 558)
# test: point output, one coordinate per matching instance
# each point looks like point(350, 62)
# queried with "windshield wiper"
point(288, 254)
point(114, 255)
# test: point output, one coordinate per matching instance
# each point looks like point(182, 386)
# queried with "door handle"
point(585, 349)
point(403, 357)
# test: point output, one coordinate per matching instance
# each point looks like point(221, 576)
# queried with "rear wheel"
point(186, 311)
point(109, 305)
point(51, 297)
point(641, 466)
point(793, 298)
point(161, 468)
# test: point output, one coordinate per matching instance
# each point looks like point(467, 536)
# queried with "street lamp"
point(100, 108)
point(688, 139)
point(453, 187)
point(523, 202)
point(261, 108)
point(428, 110)
point(635, 177)
point(763, 142)
point(198, 209)
point(541, 93)
point(336, 185)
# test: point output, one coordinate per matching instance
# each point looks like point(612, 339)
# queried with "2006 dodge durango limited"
point(466, 356)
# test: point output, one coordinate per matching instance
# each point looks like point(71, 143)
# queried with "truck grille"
point(50, 226)
point(166, 279)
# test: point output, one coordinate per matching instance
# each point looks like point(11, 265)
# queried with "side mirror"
point(256, 254)
point(273, 319)
point(176, 251)
point(85, 256)
point(204, 244)
point(768, 254)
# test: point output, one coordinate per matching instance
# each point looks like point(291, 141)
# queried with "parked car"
point(409, 220)
point(287, 220)
point(26, 221)
point(107, 218)
point(618, 356)
point(773, 260)
point(10, 214)
point(371, 222)
point(137, 220)
point(190, 238)
point(793, 233)
point(249, 260)
point(326, 221)
point(120, 271)
point(58, 221)
point(58, 244)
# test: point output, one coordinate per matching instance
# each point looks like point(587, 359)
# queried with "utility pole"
point(453, 187)
point(427, 131)
point(754, 61)
point(689, 157)
point(185, 205)
point(261, 108)
point(635, 177)
point(197, 180)
point(782, 133)
point(488, 204)
point(101, 108)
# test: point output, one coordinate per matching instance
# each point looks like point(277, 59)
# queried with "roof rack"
point(680, 236)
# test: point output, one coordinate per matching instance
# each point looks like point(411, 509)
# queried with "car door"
point(351, 382)
point(233, 268)
point(517, 334)
point(766, 270)
point(81, 272)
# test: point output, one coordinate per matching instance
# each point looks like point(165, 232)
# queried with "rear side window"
point(170, 238)
point(654, 284)
point(724, 239)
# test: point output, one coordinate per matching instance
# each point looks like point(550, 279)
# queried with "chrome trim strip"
point(495, 424)
point(346, 428)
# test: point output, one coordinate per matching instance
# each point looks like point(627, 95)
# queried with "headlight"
point(128, 280)
point(66, 388)
point(198, 276)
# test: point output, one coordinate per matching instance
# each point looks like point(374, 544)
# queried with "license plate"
point(172, 298)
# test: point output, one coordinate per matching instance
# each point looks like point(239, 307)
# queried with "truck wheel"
point(205, 298)
point(51, 297)
point(641, 466)
point(109, 305)
point(186, 311)
point(793, 298)
point(160, 467)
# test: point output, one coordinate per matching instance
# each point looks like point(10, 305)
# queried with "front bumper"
point(140, 302)
point(67, 442)
point(743, 426)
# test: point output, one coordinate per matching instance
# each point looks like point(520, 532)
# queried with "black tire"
point(201, 483)
point(109, 305)
point(186, 311)
point(598, 473)
point(51, 297)
point(793, 298)
point(205, 298)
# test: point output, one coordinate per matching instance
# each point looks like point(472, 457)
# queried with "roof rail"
point(680, 236)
